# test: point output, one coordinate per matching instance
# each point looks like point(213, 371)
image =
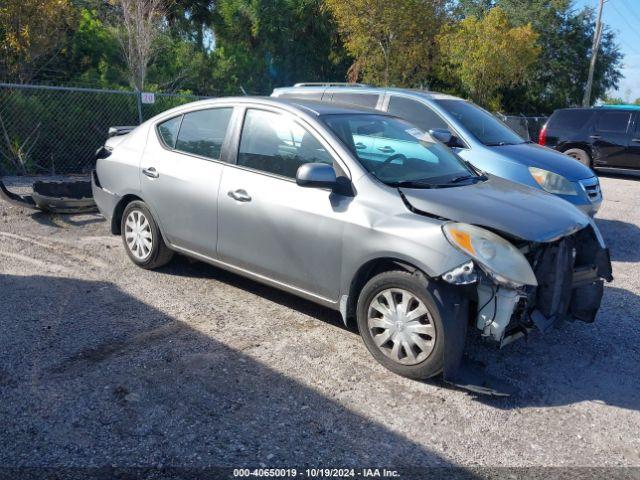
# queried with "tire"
point(141, 237)
point(580, 155)
point(427, 358)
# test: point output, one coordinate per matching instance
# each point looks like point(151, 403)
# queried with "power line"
point(633, 13)
point(631, 27)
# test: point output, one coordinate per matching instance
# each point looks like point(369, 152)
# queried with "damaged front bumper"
point(570, 272)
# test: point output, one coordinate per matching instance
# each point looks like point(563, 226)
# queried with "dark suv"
point(604, 138)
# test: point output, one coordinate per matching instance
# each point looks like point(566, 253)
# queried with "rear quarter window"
point(368, 100)
point(569, 120)
point(313, 95)
point(168, 131)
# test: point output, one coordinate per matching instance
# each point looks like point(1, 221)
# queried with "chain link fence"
point(49, 130)
point(527, 127)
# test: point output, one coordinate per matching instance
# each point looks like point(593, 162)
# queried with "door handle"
point(595, 137)
point(239, 195)
point(636, 140)
point(150, 172)
point(386, 149)
point(360, 146)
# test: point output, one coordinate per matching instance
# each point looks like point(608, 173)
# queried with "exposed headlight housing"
point(496, 256)
point(552, 182)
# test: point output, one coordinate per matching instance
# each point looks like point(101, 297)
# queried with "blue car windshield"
point(398, 153)
point(480, 123)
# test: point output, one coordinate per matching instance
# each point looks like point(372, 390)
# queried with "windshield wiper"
point(412, 184)
point(462, 178)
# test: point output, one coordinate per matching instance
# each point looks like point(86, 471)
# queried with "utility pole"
point(597, 36)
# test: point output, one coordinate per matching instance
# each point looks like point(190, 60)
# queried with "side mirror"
point(442, 135)
point(316, 175)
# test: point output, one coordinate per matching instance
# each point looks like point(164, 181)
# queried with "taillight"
point(542, 138)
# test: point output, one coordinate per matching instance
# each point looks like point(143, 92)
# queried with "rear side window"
point(313, 95)
point(416, 113)
point(361, 99)
point(569, 120)
point(168, 131)
point(613, 122)
point(275, 144)
point(202, 132)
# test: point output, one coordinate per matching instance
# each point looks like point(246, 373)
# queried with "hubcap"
point(137, 233)
point(401, 326)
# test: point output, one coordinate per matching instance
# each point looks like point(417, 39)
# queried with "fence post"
point(139, 102)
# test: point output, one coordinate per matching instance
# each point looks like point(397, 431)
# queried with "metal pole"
point(597, 36)
point(139, 102)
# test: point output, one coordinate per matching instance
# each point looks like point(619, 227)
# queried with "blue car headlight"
point(552, 182)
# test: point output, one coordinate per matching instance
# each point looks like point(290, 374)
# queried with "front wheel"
point(401, 324)
point(141, 237)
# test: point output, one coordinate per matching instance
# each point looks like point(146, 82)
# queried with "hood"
point(516, 210)
point(534, 155)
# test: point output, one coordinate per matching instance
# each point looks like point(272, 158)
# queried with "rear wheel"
point(400, 323)
point(580, 155)
point(141, 237)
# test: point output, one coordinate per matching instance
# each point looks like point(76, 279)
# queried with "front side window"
point(613, 122)
point(398, 153)
point(417, 113)
point(481, 124)
point(276, 144)
point(202, 132)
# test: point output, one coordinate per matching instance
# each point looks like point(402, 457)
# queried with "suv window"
point(168, 131)
point(202, 132)
point(273, 143)
point(416, 113)
point(312, 95)
point(569, 120)
point(613, 122)
point(369, 100)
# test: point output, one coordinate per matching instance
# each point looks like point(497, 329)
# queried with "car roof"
point(600, 108)
point(416, 92)
point(311, 107)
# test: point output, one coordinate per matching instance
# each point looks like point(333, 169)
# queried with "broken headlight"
point(496, 256)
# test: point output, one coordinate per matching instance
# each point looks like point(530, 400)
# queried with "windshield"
point(482, 125)
point(399, 154)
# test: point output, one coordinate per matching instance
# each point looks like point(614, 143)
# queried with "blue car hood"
point(514, 209)
point(534, 155)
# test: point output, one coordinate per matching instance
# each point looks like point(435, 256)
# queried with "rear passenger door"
point(610, 137)
point(181, 172)
point(633, 155)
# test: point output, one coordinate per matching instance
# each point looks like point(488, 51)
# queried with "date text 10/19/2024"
point(316, 472)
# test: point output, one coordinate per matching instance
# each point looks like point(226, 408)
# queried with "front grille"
point(592, 188)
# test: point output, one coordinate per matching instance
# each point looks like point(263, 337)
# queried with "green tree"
point(265, 43)
point(393, 43)
point(559, 77)
point(487, 54)
point(31, 35)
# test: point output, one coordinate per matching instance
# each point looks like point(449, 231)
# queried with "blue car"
point(474, 134)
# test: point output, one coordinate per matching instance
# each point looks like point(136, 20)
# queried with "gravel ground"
point(103, 363)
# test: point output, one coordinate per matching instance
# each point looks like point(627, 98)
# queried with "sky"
point(623, 17)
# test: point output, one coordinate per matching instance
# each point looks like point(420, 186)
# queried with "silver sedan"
point(356, 210)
